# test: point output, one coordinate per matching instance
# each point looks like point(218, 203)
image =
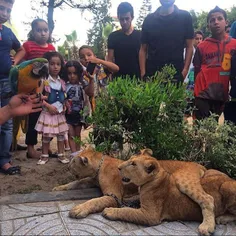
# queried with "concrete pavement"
point(47, 214)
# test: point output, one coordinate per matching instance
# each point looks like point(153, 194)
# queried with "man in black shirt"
point(165, 34)
point(124, 44)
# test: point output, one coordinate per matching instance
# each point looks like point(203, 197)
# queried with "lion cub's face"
point(84, 164)
point(139, 169)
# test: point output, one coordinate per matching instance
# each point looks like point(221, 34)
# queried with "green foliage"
point(231, 14)
point(100, 20)
point(137, 114)
point(77, 140)
point(69, 48)
point(200, 20)
point(213, 145)
point(145, 9)
point(41, 7)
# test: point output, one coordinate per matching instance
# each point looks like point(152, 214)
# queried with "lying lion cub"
point(95, 169)
point(172, 190)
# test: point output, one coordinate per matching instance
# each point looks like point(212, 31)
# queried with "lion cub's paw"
point(206, 229)
point(59, 188)
point(78, 212)
point(109, 213)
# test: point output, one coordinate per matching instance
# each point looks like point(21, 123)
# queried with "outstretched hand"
point(22, 104)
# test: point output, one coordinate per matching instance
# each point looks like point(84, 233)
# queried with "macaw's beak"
point(41, 70)
point(44, 72)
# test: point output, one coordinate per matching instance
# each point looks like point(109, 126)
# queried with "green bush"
point(142, 114)
point(139, 114)
point(213, 145)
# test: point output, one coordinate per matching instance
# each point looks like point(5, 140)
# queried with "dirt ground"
point(35, 178)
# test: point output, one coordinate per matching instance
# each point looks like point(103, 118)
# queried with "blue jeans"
point(6, 128)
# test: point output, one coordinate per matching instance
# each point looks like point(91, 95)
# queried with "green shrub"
point(142, 114)
point(138, 114)
point(213, 145)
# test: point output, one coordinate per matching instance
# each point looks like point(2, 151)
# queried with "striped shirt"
point(34, 50)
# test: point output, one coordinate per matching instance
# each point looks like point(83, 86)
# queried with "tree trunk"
point(50, 16)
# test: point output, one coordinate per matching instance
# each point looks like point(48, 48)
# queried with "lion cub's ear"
point(146, 151)
point(84, 160)
point(90, 147)
point(150, 167)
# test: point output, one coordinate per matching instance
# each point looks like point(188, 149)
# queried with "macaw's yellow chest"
point(26, 82)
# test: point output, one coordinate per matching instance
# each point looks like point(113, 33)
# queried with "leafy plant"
point(132, 114)
point(213, 145)
point(141, 114)
point(77, 140)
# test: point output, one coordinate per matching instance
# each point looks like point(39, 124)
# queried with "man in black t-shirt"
point(124, 44)
point(165, 34)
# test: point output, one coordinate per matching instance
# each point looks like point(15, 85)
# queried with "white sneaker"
point(63, 160)
point(42, 162)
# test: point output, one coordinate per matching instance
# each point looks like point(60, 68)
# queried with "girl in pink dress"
point(52, 121)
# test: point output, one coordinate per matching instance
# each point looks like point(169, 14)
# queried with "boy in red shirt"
point(212, 64)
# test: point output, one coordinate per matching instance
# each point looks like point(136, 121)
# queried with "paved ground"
point(47, 214)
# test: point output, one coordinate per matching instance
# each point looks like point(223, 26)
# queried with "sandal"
point(63, 159)
point(11, 170)
point(43, 160)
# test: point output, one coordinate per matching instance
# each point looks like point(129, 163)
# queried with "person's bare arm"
point(142, 59)
point(89, 89)
point(188, 56)
point(112, 67)
point(110, 55)
point(20, 53)
point(197, 62)
point(20, 105)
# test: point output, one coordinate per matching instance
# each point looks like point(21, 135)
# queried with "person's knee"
point(46, 139)
point(61, 138)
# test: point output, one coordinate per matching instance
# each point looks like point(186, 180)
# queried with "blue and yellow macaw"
point(26, 78)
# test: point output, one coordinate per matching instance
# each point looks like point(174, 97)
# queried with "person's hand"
point(64, 110)
point(12, 59)
point(142, 75)
point(184, 73)
point(89, 76)
point(52, 110)
point(22, 104)
point(95, 60)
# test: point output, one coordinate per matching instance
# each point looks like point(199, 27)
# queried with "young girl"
point(75, 102)
point(36, 46)
point(52, 122)
point(99, 75)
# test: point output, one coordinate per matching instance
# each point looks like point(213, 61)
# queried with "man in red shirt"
point(212, 64)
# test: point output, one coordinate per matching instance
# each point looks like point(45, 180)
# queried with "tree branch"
point(59, 4)
point(79, 6)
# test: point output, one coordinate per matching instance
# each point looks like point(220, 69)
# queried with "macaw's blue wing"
point(13, 77)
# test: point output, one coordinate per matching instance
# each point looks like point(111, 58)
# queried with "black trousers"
point(230, 112)
point(204, 108)
point(32, 134)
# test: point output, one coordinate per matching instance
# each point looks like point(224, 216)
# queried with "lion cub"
point(94, 169)
point(176, 190)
